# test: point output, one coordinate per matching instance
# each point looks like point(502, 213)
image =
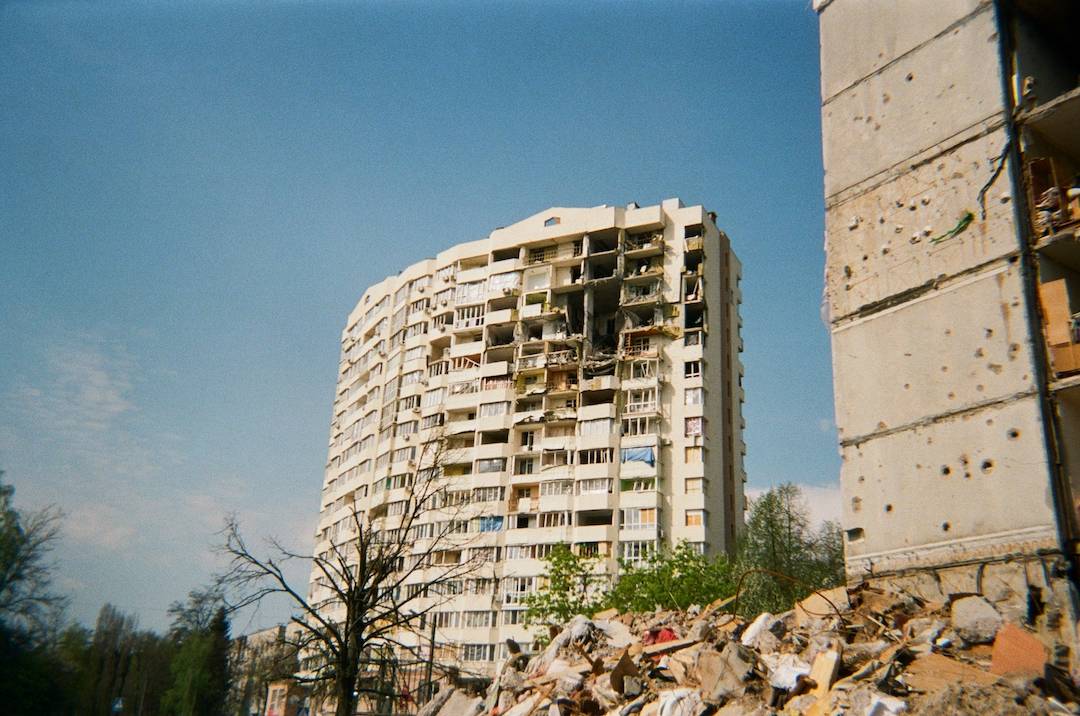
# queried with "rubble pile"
point(863, 651)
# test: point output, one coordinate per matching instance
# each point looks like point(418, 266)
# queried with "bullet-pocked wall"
point(947, 428)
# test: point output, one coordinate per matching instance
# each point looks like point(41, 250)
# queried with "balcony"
point(644, 245)
point(556, 358)
point(506, 315)
point(604, 382)
point(538, 360)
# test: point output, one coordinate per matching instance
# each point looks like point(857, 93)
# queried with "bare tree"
point(26, 540)
point(373, 586)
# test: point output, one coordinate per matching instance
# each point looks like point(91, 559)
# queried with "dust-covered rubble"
point(864, 651)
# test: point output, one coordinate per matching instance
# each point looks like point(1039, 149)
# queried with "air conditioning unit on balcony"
point(442, 302)
point(665, 441)
point(421, 289)
point(507, 291)
point(416, 409)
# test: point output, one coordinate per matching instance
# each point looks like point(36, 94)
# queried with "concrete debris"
point(863, 651)
point(975, 619)
point(1017, 652)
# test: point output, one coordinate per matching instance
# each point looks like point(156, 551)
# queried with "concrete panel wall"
point(968, 486)
point(859, 37)
point(962, 346)
point(911, 104)
point(880, 241)
point(943, 445)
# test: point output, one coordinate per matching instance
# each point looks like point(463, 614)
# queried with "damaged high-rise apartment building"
point(952, 149)
point(582, 367)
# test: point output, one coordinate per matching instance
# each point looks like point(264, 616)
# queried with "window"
point(528, 439)
point(396, 482)
point(487, 494)
point(446, 273)
point(513, 616)
point(480, 585)
point(555, 458)
point(413, 401)
point(596, 456)
point(515, 589)
point(641, 401)
point(694, 485)
point(418, 306)
point(639, 454)
point(695, 518)
point(416, 329)
point(693, 453)
point(692, 369)
point(639, 518)
point(433, 397)
point(637, 426)
point(642, 369)
point(433, 421)
point(638, 551)
point(446, 620)
point(405, 453)
point(400, 294)
point(694, 338)
point(412, 377)
point(495, 382)
point(638, 345)
point(477, 619)
point(556, 487)
point(492, 464)
point(694, 426)
point(600, 426)
point(472, 292)
point(405, 429)
point(552, 221)
point(490, 410)
point(598, 486)
point(465, 387)
point(477, 652)
point(397, 508)
point(694, 396)
point(524, 465)
point(502, 281)
point(420, 284)
point(554, 519)
point(469, 317)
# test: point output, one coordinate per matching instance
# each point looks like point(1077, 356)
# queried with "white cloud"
point(99, 525)
point(823, 501)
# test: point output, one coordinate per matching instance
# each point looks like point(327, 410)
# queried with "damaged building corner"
point(953, 290)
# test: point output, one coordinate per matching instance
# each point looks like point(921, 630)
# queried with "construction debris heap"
point(864, 651)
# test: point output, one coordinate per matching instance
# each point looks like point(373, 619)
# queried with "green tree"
point(200, 669)
point(33, 679)
point(786, 558)
point(573, 587)
point(672, 580)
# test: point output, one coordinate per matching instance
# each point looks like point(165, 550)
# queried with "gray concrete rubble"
point(867, 650)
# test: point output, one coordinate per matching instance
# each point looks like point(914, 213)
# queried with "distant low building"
point(259, 660)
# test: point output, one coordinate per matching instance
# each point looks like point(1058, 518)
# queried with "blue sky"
point(194, 196)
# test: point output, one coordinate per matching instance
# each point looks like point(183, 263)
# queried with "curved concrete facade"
point(582, 366)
